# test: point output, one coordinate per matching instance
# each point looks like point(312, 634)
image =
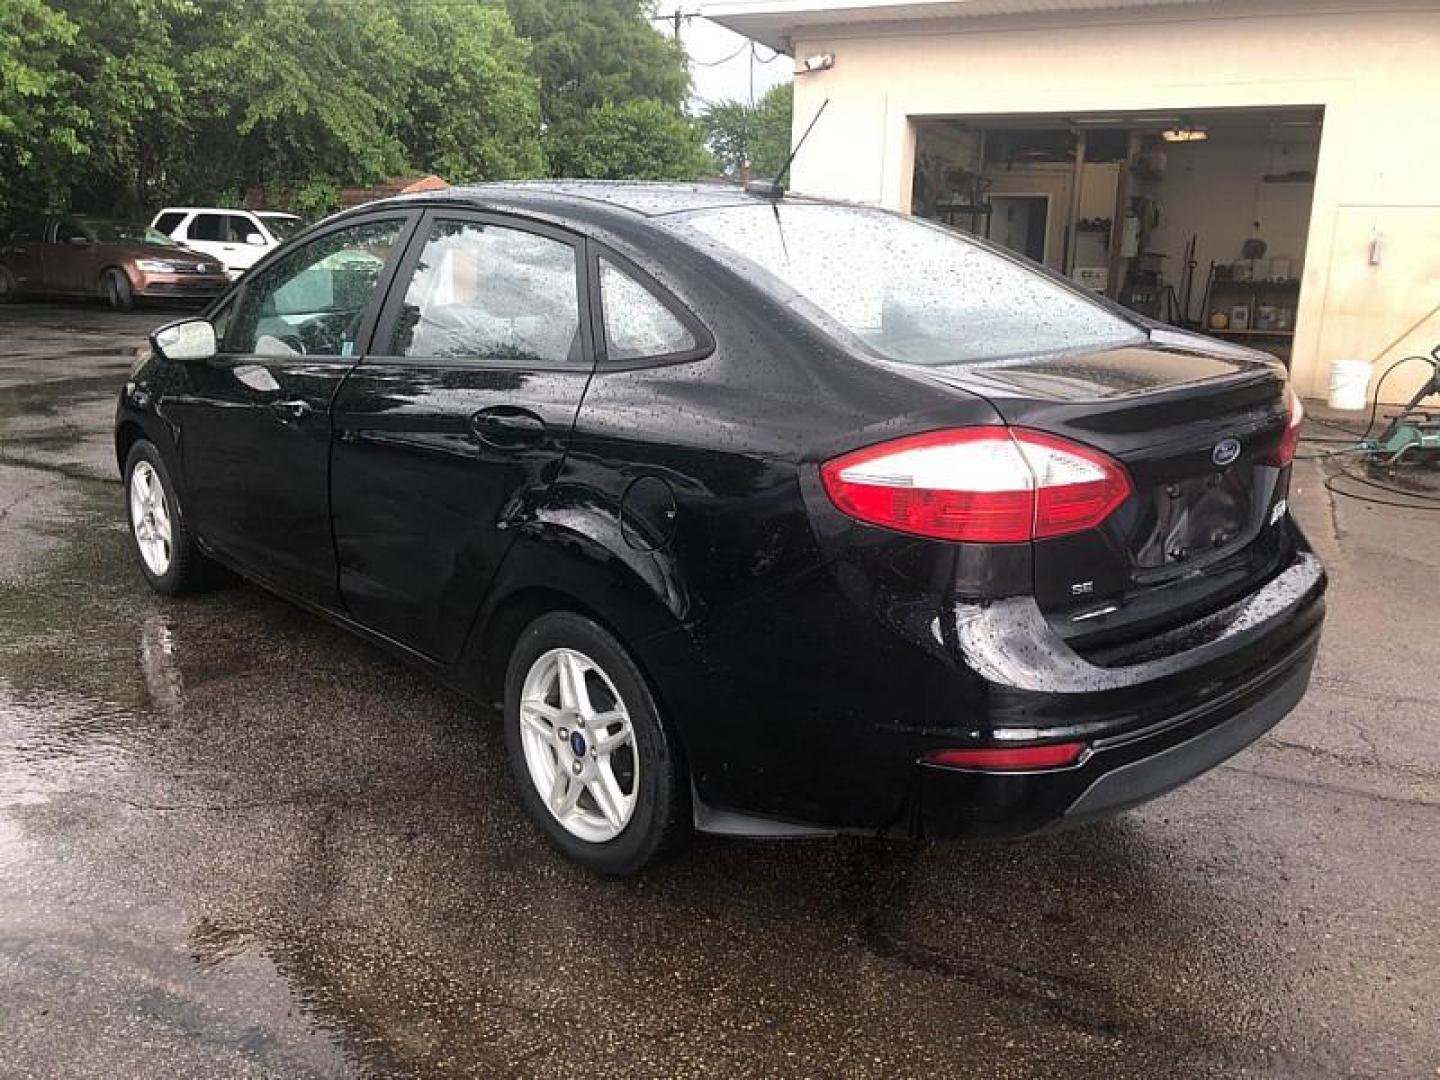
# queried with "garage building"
point(1265, 171)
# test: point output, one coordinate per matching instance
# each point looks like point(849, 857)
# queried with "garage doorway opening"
point(1018, 222)
point(1197, 218)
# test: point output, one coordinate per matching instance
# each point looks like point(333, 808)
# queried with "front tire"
point(597, 770)
point(115, 288)
point(8, 287)
point(169, 559)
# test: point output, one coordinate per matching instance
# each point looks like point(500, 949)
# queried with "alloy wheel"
point(579, 745)
point(150, 518)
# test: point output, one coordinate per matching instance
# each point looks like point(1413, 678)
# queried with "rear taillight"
point(1284, 454)
point(1009, 758)
point(989, 485)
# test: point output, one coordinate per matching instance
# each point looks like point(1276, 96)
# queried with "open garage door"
point(1200, 219)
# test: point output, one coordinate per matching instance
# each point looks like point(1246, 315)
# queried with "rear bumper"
point(848, 689)
point(1117, 771)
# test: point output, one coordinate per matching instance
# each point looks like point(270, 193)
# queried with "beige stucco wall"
point(1377, 74)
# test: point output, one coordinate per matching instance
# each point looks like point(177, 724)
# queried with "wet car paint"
point(236, 841)
point(762, 578)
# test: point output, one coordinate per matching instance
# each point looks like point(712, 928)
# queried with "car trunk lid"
point(1195, 423)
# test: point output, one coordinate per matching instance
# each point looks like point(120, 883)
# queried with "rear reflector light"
point(989, 485)
point(1009, 758)
point(1290, 439)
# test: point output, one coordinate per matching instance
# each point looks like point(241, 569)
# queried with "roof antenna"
point(775, 189)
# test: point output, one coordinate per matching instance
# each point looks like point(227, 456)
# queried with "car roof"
point(218, 210)
point(627, 199)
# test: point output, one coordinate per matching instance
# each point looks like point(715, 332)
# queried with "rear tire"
point(115, 288)
point(596, 767)
point(169, 559)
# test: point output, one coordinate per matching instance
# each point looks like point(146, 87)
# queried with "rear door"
point(254, 420)
point(452, 430)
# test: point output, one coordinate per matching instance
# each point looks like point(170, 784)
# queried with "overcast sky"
point(706, 43)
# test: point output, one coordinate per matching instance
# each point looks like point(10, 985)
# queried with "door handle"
point(507, 427)
point(291, 412)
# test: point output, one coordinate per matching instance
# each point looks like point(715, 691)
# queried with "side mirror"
point(189, 339)
point(255, 239)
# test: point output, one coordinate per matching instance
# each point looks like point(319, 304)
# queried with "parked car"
point(238, 238)
point(117, 261)
point(761, 516)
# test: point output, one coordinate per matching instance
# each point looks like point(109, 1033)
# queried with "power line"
point(723, 60)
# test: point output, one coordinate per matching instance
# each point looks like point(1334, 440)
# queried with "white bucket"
point(1349, 385)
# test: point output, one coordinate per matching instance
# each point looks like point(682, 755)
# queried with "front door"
point(450, 434)
point(255, 423)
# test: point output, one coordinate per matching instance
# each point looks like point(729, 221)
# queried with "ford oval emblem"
point(1225, 452)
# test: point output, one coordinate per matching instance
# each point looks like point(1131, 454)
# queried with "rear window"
point(913, 292)
point(168, 222)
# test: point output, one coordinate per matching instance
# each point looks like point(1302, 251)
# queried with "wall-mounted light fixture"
point(1185, 134)
point(818, 62)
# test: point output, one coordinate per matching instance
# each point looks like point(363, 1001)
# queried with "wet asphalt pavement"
point(235, 841)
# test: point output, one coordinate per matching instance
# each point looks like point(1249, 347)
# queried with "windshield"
point(913, 292)
point(282, 225)
point(126, 232)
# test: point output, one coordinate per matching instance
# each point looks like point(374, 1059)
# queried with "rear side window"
point(913, 292)
point(493, 295)
point(168, 223)
point(240, 227)
point(28, 232)
point(638, 325)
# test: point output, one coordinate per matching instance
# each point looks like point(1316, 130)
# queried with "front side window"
point(312, 302)
point(912, 292)
point(637, 324)
point(493, 295)
point(208, 227)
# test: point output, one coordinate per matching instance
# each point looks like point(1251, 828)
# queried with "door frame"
point(1045, 228)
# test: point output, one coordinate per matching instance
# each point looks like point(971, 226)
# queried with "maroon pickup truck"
point(117, 261)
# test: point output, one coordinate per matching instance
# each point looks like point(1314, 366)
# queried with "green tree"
point(41, 126)
point(590, 54)
point(285, 92)
point(739, 134)
point(128, 85)
point(473, 110)
point(639, 140)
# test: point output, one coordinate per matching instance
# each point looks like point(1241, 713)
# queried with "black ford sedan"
point(759, 515)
